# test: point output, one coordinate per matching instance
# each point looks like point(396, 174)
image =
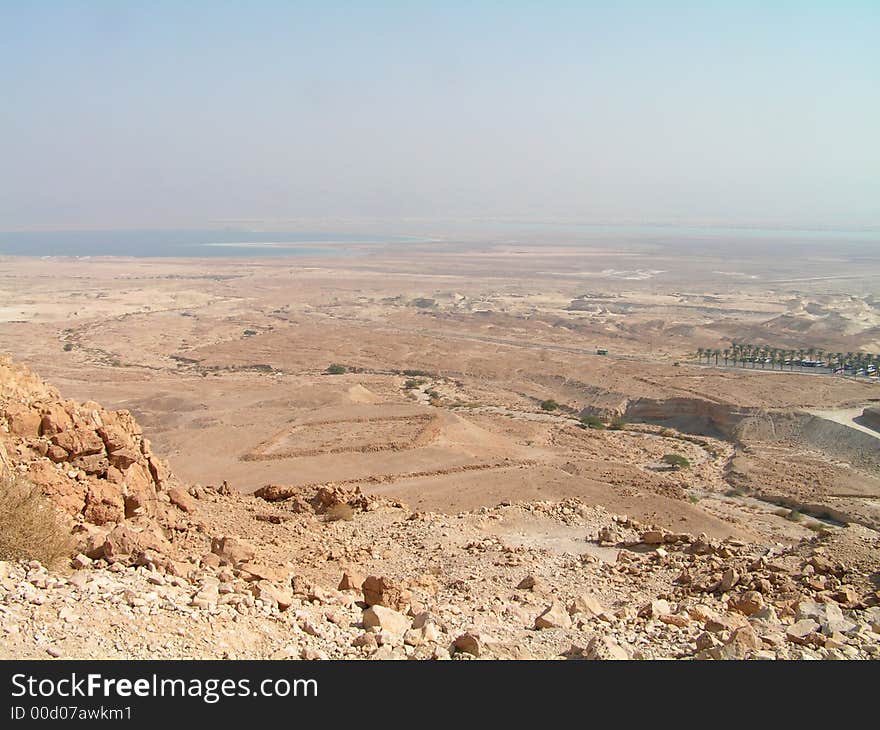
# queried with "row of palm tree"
point(743, 354)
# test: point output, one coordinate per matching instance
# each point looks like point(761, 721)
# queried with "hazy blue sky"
point(123, 113)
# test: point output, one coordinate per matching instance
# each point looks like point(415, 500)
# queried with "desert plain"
point(457, 378)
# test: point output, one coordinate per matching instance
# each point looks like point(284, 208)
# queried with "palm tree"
point(726, 354)
point(780, 358)
point(700, 352)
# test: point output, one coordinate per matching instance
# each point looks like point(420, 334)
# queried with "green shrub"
point(336, 369)
point(549, 405)
point(68, 346)
point(617, 424)
point(592, 422)
point(676, 461)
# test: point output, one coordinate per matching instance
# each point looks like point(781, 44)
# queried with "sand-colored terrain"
point(144, 565)
point(465, 370)
point(450, 350)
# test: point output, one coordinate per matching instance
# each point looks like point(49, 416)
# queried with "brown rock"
point(54, 420)
point(56, 454)
point(728, 580)
point(123, 458)
point(23, 421)
point(382, 591)
point(232, 549)
point(210, 560)
point(126, 540)
point(824, 565)
point(138, 491)
point(724, 622)
point(805, 631)
point(80, 561)
point(114, 475)
point(94, 464)
point(158, 469)
point(653, 537)
point(707, 641)
point(847, 595)
point(79, 442)
point(68, 494)
point(529, 583)
point(748, 603)
point(350, 582)
point(743, 642)
point(366, 640)
point(604, 648)
point(103, 503)
point(588, 604)
point(181, 499)
point(386, 619)
point(554, 617)
point(273, 594)
point(276, 492)
point(655, 609)
point(470, 642)
point(251, 571)
point(114, 438)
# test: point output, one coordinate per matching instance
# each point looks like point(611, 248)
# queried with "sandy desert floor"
point(450, 349)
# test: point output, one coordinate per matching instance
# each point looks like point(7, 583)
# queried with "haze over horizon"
point(126, 115)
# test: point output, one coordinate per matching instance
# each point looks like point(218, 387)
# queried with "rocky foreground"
point(165, 570)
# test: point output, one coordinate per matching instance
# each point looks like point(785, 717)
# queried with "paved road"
point(845, 416)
